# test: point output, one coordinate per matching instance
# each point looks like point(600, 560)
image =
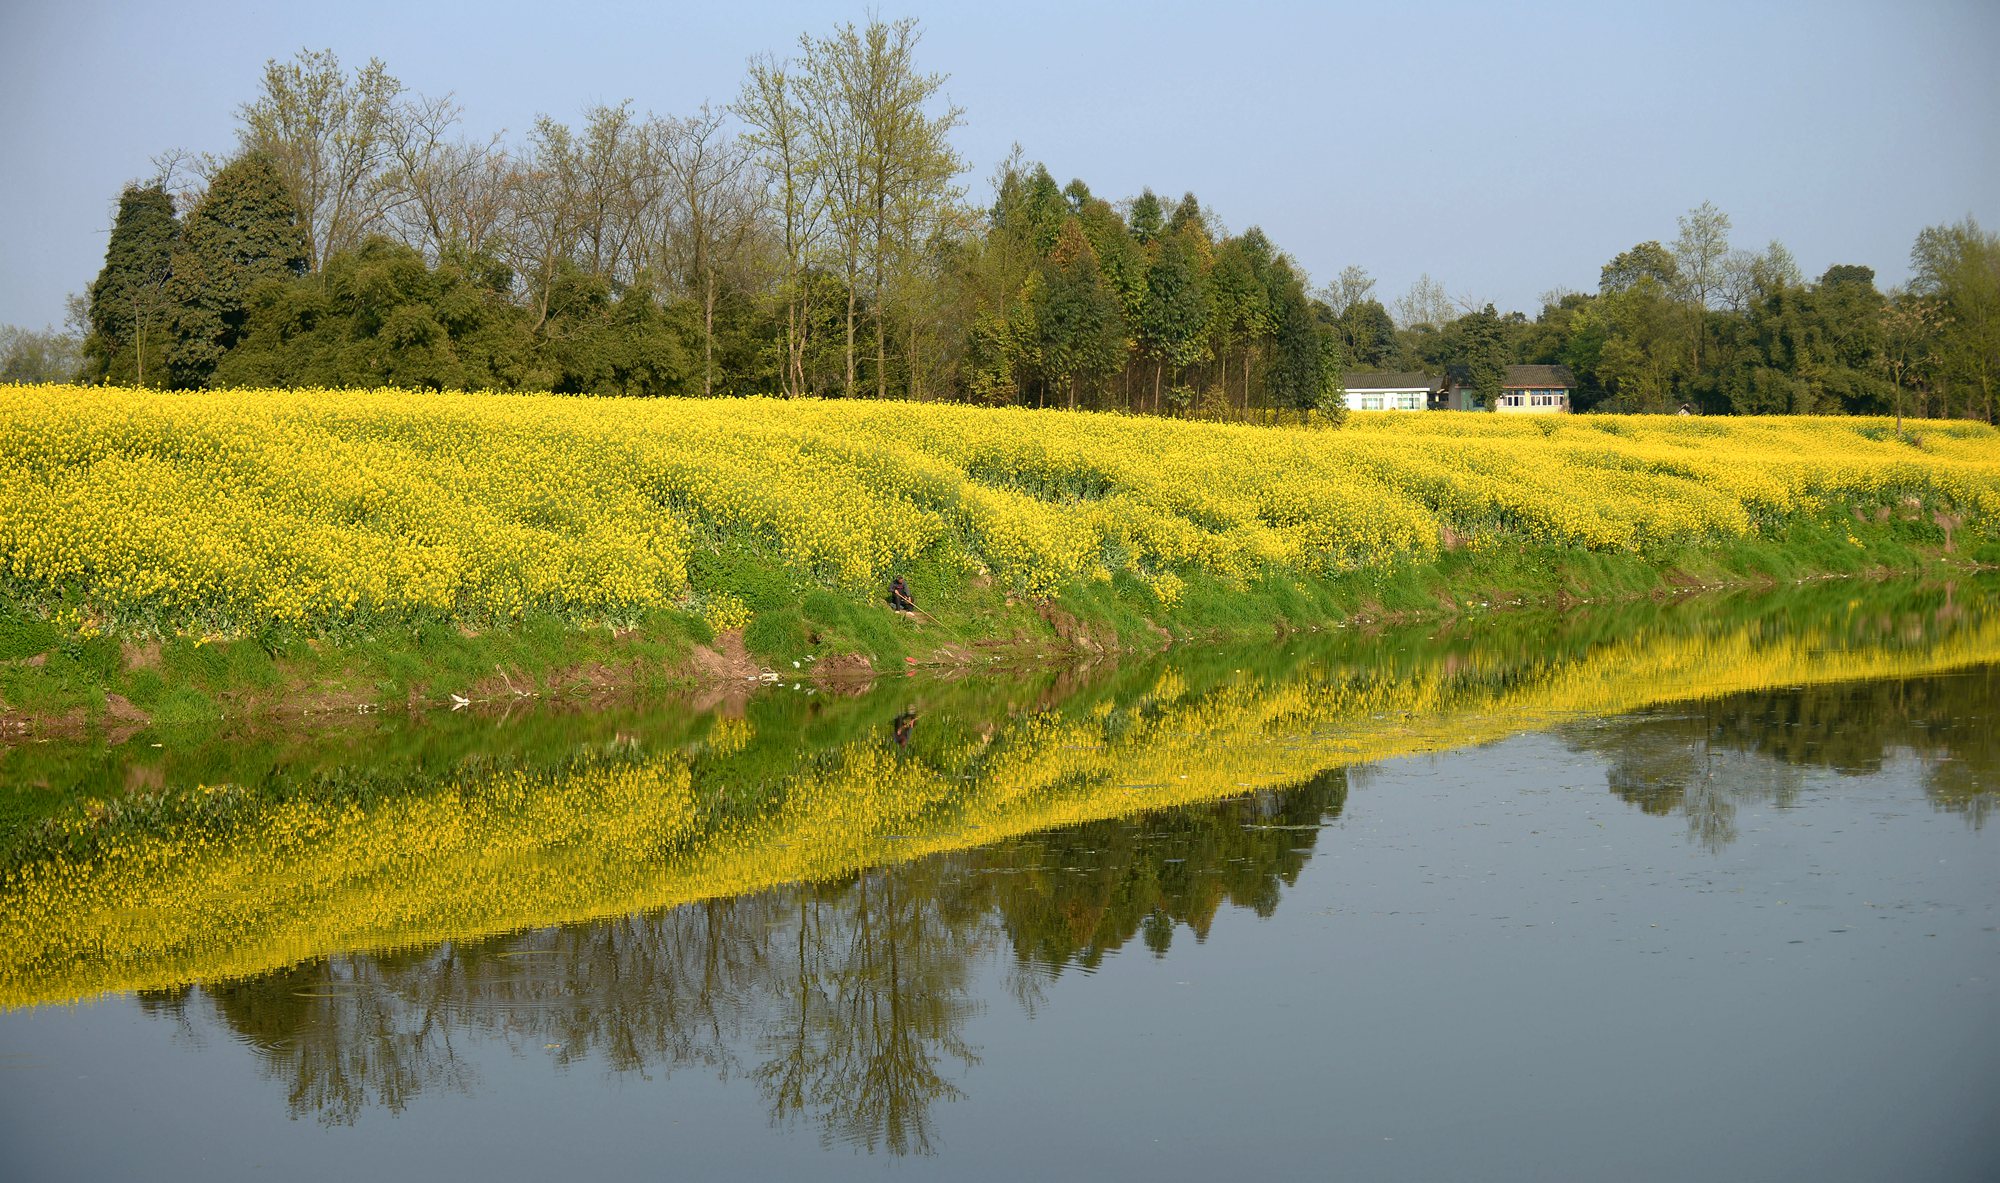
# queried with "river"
point(1696, 889)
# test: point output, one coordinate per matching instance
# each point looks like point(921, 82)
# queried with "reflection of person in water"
point(905, 723)
point(899, 596)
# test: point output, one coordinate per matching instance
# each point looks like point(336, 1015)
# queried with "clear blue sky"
point(1503, 151)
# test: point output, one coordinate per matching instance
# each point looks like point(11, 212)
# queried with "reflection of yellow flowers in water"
point(729, 736)
point(286, 880)
point(230, 509)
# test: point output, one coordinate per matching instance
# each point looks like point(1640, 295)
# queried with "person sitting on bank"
point(899, 596)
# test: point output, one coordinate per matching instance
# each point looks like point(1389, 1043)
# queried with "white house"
point(1533, 390)
point(1384, 391)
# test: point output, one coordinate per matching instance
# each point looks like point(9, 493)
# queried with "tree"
point(1369, 333)
point(381, 315)
point(1424, 304)
point(1699, 253)
point(585, 200)
point(1482, 353)
point(28, 356)
point(1147, 217)
point(1958, 266)
point(887, 156)
point(128, 303)
point(1241, 302)
point(778, 132)
point(444, 197)
point(328, 137)
point(1189, 218)
point(1080, 326)
point(1175, 315)
point(1648, 260)
point(1639, 356)
point(712, 212)
point(1305, 370)
point(245, 229)
point(1353, 287)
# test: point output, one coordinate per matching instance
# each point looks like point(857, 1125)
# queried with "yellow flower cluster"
point(614, 833)
point(315, 506)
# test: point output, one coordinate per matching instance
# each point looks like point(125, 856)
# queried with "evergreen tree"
point(1305, 373)
point(1482, 349)
point(1188, 218)
point(128, 302)
point(243, 231)
point(1147, 217)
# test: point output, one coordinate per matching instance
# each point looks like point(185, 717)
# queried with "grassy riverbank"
point(180, 557)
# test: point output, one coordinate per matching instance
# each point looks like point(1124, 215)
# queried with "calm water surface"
point(1697, 891)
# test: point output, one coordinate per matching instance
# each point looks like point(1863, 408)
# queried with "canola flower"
point(490, 852)
point(213, 512)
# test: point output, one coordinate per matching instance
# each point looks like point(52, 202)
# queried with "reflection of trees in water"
point(845, 1002)
point(1707, 759)
point(1073, 895)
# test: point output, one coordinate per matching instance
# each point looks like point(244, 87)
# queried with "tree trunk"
point(851, 277)
point(708, 336)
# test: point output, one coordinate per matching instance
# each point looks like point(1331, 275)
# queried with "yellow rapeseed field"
point(233, 509)
point(492, 852)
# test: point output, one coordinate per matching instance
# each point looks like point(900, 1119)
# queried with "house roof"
point(1521, 378)
point(1539, 377)
point(1391, 380)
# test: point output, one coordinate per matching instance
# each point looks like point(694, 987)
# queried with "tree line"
point(1696, 323)
point(808, 239)
point(811, 238)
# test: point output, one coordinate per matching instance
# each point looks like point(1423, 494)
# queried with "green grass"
point(193, 683)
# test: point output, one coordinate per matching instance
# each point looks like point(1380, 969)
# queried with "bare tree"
point(329, 137)
point(712, 206)
point(1700, 253)
point(778, 132)
point(444, 194)
point(580, 201)
point(1426, 303)
point(1353, 286)
point(887, 159)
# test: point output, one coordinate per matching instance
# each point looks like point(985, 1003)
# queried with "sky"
point(1505, 150)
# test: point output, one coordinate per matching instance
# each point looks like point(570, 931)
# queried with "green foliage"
point(825, 249)
point(1173, 320)
point(29, 357)
point(1649, 261)
point(1483, 352)
point(1368, 332)
point(1079, 320)
point(128, 307)
point(245, 230)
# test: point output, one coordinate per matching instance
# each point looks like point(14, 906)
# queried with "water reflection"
point(1707, 759)
point(846, 1002)
point(224, 858)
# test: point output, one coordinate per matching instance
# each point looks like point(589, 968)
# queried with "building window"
point(1412, 402)
point(1371, 402)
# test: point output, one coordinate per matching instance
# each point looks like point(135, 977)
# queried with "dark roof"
point(1390, 380)
point(1522, 377)
point(1539, 377)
